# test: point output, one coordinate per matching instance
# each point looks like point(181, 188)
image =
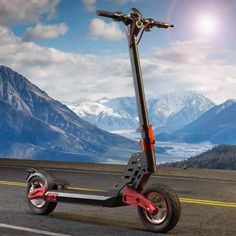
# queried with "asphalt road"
point(215, 215)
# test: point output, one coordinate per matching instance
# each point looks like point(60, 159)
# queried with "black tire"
point(168, 205)
point(39, 207)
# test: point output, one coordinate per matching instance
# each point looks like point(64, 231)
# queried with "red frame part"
point(133, 198)
point(149, 143)
point(130, 197)
point(38, 193)
point(42, 193)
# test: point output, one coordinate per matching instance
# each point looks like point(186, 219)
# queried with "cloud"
point(122, 2)
point(90, 4)
point(190, 65)
point(41, 31)
point(69, 76)
point(99, 29)
point(190, 52)
point(23, 11)
point(64, 75)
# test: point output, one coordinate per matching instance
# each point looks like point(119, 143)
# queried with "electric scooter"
point(158, 206)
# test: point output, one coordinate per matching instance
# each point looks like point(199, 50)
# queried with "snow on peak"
point(229, 102)
point(182, 107)
point(93, 108)
point(103, 100)
point(88, 107)
point(171, 103)
point(225, 105)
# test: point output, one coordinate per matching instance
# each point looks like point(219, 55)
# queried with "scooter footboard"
point(55, 190)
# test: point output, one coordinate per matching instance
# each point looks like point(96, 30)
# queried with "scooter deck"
point(85, 197)
point(85, 191)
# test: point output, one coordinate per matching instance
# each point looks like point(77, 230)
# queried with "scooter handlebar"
point(105, 13)
point(119, 16)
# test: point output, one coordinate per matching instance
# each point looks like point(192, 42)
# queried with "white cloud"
point(21, 11)
point(190, 65)
point(90, 4)
point(65, 76)
point(190, 52)
point(41, 31)
point(100, 29)
point(122, 2)
point(68, 76)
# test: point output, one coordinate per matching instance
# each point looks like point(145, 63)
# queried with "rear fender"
point(50, 180)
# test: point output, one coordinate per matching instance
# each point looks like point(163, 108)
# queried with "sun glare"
point(207, 24)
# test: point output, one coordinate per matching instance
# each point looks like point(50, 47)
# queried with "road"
point(208, 207)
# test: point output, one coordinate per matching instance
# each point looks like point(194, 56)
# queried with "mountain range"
point(33, 125)
point(183, 116)
point(169, 112)
point(108, 114)
point(217, 125)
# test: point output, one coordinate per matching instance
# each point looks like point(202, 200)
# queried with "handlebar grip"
point(105, 13)
point(163, 24)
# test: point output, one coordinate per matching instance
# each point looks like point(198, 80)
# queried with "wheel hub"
point(39, 203)
point(159, 201)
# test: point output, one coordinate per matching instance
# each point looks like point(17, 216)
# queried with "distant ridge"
point(220, 157)
point(218, 125)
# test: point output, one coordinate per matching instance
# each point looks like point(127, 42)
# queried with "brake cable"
point(141, 35)
point(144, 28)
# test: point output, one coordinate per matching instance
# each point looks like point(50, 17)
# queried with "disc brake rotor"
point(159, 201)
point(39, 203)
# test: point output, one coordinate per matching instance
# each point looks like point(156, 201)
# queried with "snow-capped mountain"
point(33, 125)
point(109, 114)
point(218, 125)
point(173, 111)
point(168, 112)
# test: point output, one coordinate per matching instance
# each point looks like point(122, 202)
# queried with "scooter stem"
point(145, 128)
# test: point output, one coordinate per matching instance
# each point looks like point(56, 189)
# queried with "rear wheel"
point(39, 206)
point(168, 205)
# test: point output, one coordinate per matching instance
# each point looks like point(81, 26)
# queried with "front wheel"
point(39, 206)
point(168, 205)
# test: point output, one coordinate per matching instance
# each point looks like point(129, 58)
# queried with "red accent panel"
point(151, 134)
point(52, 197)
point(133, 198)
point(142, 144)
point(42, 194)
point(148, 144)
point(38, 193)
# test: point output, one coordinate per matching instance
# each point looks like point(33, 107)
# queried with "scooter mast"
point(148, 137)
point(135, 24)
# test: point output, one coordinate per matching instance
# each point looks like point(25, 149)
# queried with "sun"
point(207, 24)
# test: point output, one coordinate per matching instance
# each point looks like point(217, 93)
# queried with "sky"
point(69, 52)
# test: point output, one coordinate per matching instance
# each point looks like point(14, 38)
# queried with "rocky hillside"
point(33, 125)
